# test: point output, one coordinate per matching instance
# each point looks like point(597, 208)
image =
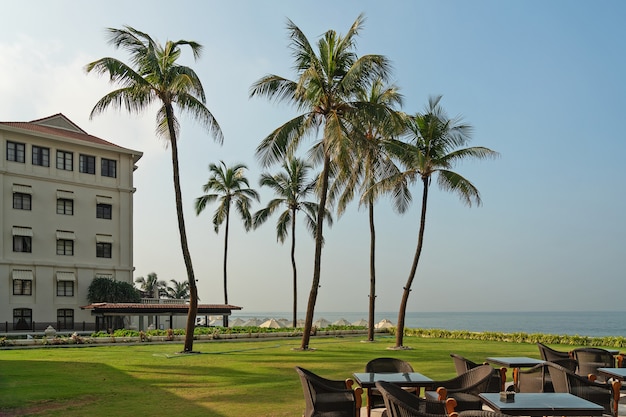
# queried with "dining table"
point(368, 380)
point(515, 363)
point(617, 373)
point(542, 404)
point(402, 379)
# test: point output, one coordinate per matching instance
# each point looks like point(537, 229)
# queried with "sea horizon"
point(581, 323)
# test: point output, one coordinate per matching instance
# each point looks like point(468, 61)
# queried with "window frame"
point(22, 287)
point(87, 164)
point(65, 247)
point(28, 318)
point(108, 167)
point(104, 211)
point(65, 288)
point(40, 156)
point(26, 245)
point(16, 152)
point(103, 249)
point(20, 198)
point(63, 314)
point(62, 206)
point(63, 162)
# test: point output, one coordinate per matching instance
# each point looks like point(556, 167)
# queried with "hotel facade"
point(67, 218)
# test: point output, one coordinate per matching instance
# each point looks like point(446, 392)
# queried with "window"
point(65, 160)
point(22, 319)
point(22, 201)
point(16, 152)
point(103, 249)
point(22, 286)
point(104, 211)
point(109, 168)
point(41, 156)
point(65, 288)
point(65, 206)
point(87, 164)
point(65, 247)
point(22, 244)
point(65, 318)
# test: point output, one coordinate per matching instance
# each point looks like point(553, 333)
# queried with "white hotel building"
point(66, 218)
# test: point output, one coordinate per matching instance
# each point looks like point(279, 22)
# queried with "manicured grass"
point(241, 378)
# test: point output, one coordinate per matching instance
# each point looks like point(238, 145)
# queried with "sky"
point(541, 82)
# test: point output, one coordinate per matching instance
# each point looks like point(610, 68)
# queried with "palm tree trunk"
point(193, 290)
point(317, 266)
point(416, 258)
point(293, 266)
point(225, 317)
point(370, 322)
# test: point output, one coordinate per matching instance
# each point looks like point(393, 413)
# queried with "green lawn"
point(249, 378)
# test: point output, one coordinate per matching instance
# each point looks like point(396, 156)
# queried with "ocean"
point(597, 324)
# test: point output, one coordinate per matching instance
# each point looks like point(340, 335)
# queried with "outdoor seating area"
point(553, 385)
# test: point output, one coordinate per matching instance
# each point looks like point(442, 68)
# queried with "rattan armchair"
point(549, 354)
point(497, 381)
point(400, 403)
point(385, 365)
point(329, 398)
point(590, 359)
point(464, 389)
point(606, 394)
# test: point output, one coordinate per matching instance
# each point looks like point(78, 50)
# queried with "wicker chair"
point(329, 398)
point(606, 394)
point(549, 354)
point(400, 403)
point(590, 359)
point(464, 389)
point(498, 379)
point(535, 379)
point(385, 365)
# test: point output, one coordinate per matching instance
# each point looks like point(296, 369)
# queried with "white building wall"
point(47, 184)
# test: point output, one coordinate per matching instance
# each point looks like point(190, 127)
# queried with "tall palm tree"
point(292, 187)
point(434, 144)
point(154, 76)
point(230, 186)
point(177, 290)
point(324, 89)
point(151, 285)
point(372, 135)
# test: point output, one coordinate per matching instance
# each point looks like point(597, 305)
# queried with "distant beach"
point(607, 323)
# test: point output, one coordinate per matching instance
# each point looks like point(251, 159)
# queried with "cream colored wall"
point(44, 221)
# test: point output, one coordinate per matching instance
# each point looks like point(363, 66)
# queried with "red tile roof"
point(40, 126)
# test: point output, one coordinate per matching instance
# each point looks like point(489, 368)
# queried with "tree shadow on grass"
point(69, 389)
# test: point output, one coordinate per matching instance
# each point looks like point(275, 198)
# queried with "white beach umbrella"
point(320, 323)
point(236, 323)
point(384, 324)
point(271, 324)
point(361, 322)
point(300, 323)
point(253, 322)
point(342, 322)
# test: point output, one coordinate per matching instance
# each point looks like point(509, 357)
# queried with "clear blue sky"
point(541, 82)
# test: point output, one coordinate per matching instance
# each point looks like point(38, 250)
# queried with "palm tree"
point(292, 187)
point(154, 76)
point(324, 90)
point(230, 186)
point(177, 290)
point(372, 135)
point(150, 286)
point(433, 146)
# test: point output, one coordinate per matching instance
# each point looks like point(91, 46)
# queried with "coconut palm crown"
point(154, 76)
point(434, 144)
point(324, 91)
